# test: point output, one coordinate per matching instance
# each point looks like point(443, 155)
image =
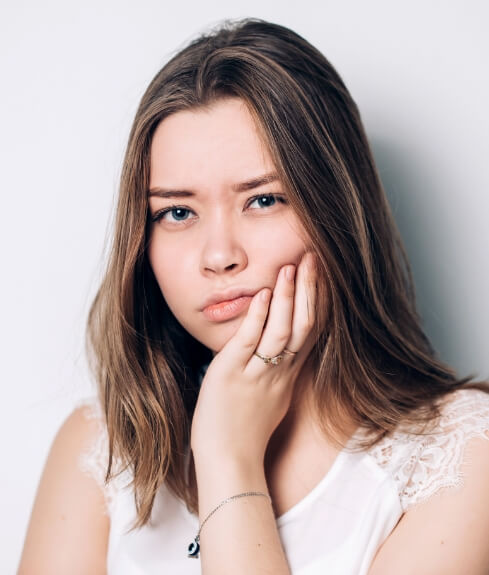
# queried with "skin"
point(221, 242)
point(242, 400)
point(241, 397)
point(217, 241)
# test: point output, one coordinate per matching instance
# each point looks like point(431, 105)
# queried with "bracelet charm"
point(194, 548)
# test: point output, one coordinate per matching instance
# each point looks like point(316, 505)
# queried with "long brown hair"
point(372, 360)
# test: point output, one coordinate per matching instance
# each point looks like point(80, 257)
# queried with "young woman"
point(267, 399)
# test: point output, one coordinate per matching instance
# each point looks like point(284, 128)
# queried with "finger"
point(304, 302)
point(242, 345)
point(278, 326)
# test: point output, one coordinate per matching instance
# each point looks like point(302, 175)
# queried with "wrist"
point(194, 547)
point(228, 469)
point(218, 479)
point(217, 463)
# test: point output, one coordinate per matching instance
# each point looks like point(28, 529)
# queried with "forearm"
point(241, 537)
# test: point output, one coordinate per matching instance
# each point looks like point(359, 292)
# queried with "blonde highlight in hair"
point(373, 363)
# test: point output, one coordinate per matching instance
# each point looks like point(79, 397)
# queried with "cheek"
point(290, 242)
point(299, 232)
point(279, 235)
point(169, 270)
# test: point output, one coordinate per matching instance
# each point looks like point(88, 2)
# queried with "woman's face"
point(227, 225)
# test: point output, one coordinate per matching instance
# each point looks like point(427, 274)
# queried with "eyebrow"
point(241, 187)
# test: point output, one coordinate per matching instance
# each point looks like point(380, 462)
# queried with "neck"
point(300, 426)
point(299, 415)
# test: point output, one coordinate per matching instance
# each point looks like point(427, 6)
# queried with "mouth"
point(227, 309)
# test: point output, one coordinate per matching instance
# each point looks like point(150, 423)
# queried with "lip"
point(226, 310)
point(228, 295)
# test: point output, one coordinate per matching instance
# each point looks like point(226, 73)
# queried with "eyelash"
point(160, 214)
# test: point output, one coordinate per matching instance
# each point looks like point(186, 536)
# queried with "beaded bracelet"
point(194, 547)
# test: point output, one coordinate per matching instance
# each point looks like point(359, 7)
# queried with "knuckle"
point(282, 336)
point(310, 320)
point(248, 344)
point(304, 329)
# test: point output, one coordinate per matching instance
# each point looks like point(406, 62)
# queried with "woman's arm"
point(68, 529)
point(241, 401)
point(447, 534)
point(241, 537)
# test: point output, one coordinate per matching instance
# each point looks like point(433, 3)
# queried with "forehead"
point(218, 143)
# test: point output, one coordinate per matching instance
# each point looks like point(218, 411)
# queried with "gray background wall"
point(71, 77)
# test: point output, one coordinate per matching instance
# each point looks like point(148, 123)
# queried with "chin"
point(222, 334)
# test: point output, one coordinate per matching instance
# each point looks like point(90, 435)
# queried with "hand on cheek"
point(243, 399)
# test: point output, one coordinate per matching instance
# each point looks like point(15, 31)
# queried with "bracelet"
point(194, 547)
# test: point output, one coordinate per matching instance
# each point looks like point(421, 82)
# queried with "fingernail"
point(265, 295)
point(290, 273)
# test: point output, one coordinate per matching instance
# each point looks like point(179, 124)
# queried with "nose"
point(223, 251)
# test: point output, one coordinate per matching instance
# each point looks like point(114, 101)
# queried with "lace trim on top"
point(94, 459)
point(422, 465)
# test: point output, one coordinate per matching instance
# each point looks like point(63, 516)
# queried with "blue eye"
point(270, 200)
point(267, 201)
point(180, 213)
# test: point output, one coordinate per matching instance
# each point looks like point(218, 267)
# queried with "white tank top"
point(336, 528)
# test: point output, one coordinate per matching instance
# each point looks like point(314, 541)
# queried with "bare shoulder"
point(68, 529)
